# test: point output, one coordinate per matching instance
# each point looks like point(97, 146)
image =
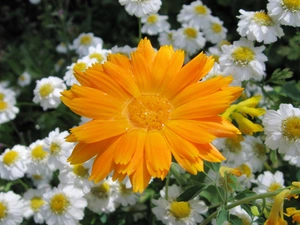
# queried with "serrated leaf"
point(222, 216)
point(190, 193)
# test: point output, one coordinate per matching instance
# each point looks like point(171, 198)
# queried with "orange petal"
point(98, 130)
point(158, 154)
point(145, 48)
point(189, 130)
point(209, 152)
point(120, 60)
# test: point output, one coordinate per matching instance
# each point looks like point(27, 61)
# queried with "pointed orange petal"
point(98, 130)
point(184, 163)
point(158, 154)
point(189, 130)
point(141, 177)
point(209, 153)
point(120, 60)
point(145, 48)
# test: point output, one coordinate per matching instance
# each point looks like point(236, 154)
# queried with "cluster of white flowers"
point(8, 109)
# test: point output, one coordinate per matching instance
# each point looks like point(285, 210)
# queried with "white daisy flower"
point(59, 150)
point(177, 213)
point(38, 158)
point(269, 182)
point(8, 110)
point(11, 208)
point(125, 194)
point(34, 201)
point(259, 26)
point(167, 38)
point(282, 128)
point(125, 50)
point(286, 11)
point(81, 65)
point(13, 162)
point(64, 205)
point(256, 155)
point(101, 198)
point(41, 179)
point(293, 160)
point(62, 48)
point(85, 40)
point(24, 79)
point(77, 175)
point(195, 14)
point(141, 8)
point(189, 38)
point(98, 53)
point(243, 61)
point(233, 149)
point(154, 24)
point(215, 31)
point(47, 92)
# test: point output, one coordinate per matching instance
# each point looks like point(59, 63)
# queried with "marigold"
point(147, 109)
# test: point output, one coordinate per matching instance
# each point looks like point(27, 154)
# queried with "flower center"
point(81, 66)
point(86, 40)
point(245, 169)
point(291, 128)
point(274, 186)
point(201, 9)
point(80, 171)
point(152, 19)
point(124, 190)
point(54, 148)
point(180, 210)
point(45, 90)
point(243, 55)
point(3, 105)
point(10, 157)
point(59, 203)
point(36, 203)
point(37, 177)
point(101, 191)
point(291, 5)
point(233, 144)
point(262, 18)
point(38, 153)
point(22, 77)
point(216, 28)
point(3, 211)
point(97, 56)
point(259, 150)
point(150, 112)
point(190, 32)
point(2, 96)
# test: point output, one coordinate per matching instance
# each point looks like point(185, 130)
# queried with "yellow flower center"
point(3, 211)
point(37, 177)
point(233, 144)
point(274, 187)
point(38, 153)
point(223, 42)
point(243, 55)
point(201, 9)
point(101, 191)
point(291, 128)
point(190, 32)
point(36, 203)
point(259, 150)
point(291, 5)
point(54, 148)
point(124, 190)
point(10, 157)
point(3, 105)
point(80, 171)
point(217, 28)
point(97, 56)
point(180, 210)
point(81, 66)
point(262, 18)
point(150, 112)
point(45, 90)
point(22, 77)
point(2, 96)
point(152, 19)
point(59, 203)
point(86, 40)
point(245, 169)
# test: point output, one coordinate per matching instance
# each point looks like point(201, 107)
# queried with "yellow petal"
point(98, 130)
point(158, 154)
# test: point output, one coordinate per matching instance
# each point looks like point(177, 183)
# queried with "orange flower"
point(147, 109)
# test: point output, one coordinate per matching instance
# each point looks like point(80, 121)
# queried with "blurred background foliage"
point(30, 33)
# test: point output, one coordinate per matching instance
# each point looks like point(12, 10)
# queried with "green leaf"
point(244, 194)
point(213, 166)
point(235, 220)
point(291, 90)
point(279, 76)
point(190, 193)
point(222, 216)
point(211, 193)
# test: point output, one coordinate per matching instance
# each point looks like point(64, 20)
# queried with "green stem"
point(246, 200)
point(23, 184)
point(177, 176)
point(215, 183)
